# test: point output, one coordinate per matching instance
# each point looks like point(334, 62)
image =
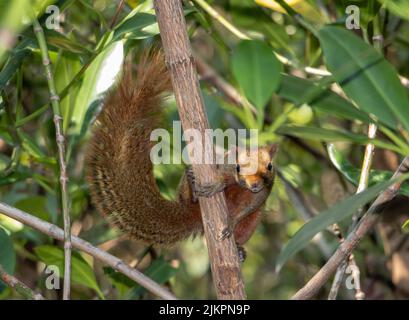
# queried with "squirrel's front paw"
point(208, 189)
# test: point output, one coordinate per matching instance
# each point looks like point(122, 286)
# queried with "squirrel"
point(120, 173)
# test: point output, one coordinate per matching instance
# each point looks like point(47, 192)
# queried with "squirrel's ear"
point(272, 150)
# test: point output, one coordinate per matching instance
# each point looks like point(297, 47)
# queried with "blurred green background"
point(262, 51)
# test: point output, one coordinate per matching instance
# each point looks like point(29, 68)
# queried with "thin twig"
point(19, 286)
point(80, 244)
point(117, 12)
point(222, 20)
point(367, 223)
point(336, 283)
point(229, 26)
point(208, 74)
point(362, 185)
point(38, 30)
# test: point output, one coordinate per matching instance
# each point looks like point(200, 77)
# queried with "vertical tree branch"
point(54, 98)
point(223, 253)
point(19, 286)
point(57, 233)
point(368, 221)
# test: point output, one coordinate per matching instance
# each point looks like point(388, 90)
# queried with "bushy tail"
point(119, 170)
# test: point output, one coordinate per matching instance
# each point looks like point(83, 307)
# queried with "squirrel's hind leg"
point(242, 253)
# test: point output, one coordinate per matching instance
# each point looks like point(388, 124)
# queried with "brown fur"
point(120, 173)
point(119, 170)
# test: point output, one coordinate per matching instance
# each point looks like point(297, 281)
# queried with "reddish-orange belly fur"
point(238, 198)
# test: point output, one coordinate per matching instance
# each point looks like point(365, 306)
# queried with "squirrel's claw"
point(192, 182)
point(205, 189)
point(226, 232)
point(242, 253)
point(208, 189)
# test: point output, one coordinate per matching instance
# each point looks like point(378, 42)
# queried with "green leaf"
point(257, 70)
point(61, 41)
point(352, 173)
point(97, 79)
point(294, 89)
point(366, 77)
point(65, 70)
point(4, 161)
point(137, 26)
point(14, 61)
point(7, 254)
point(14, 177)
point(321, 134)
point(16, 15)
point(213, 110)
point(335, 214)
point(90, 115)
point(331, 135)
point(99, 234)
point(159, 271)
point(36, 205)
point(119, 280)
point(405, 226)
point(397, 7)
point(31, 147)
point(81, 272)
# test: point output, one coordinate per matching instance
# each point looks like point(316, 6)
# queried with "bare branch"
point(57, 233)
point(222, 252)
point(19, 286)
point(60, 140)
point(117, 12)
point(362, 185)
point(368, 221)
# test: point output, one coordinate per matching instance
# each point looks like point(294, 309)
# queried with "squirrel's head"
point(255, 168)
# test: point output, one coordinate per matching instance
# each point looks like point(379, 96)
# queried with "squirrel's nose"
point(254, 185)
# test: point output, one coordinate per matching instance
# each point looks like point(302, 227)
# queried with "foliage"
point(276, 60)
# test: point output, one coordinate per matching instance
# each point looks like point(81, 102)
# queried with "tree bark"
point(180, 62)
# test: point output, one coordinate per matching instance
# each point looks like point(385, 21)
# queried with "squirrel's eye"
point(269, 167)
point(238, 168)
